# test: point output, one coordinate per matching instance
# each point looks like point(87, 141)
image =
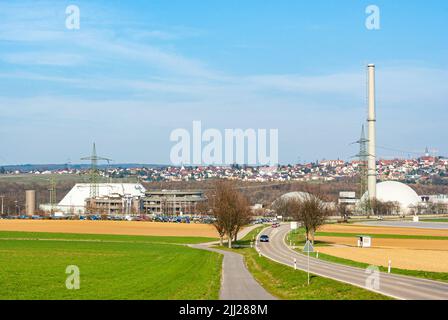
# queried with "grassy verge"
point(245, 241)
point(299, 239)
point(286, 283)
point(438, 276)
point(111, 267)
point(435, 220)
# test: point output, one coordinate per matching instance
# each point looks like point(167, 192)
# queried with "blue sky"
point(136, 70)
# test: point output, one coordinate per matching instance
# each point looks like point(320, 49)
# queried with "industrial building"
point(406, 199)
point(114, 204)
point(128, 199)
point(400, 193)
point(172, 202)
point(111, 196)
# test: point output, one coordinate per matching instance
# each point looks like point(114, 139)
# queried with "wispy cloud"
point(134, 82)
point(44, 58)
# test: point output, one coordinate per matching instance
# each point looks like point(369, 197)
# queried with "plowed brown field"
point(412, 254)
point(427, 260)
point(351, 228)
point(111, 227)
point(391, 243)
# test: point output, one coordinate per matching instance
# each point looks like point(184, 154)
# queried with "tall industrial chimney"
point(371, 120)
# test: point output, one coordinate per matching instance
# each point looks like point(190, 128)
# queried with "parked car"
point(264, 238)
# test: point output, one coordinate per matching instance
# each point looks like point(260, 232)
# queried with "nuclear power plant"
point(388, 191)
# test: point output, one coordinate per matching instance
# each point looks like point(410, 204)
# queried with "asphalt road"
point(237, 283)
point(408, 224)
point(399, 287)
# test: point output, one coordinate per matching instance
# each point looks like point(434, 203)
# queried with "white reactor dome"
point(397, 191)
point(293, 195)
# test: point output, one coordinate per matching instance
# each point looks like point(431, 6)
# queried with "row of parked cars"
point(22, 217)
point(263, 220)
point(95, 217)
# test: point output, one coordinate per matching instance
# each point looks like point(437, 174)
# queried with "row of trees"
point(379, 208)
point(231, 210)
point(386, 208)
point(308, 209)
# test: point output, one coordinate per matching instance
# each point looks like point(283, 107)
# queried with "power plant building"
point(110, 196)
point(172, 202)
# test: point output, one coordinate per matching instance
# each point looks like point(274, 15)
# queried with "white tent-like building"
point(393, 191)
point(75, 200)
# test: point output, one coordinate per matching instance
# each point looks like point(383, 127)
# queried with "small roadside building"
point(364, 241)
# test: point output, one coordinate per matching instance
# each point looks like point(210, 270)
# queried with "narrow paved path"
point(400, 287)
point(237, 283)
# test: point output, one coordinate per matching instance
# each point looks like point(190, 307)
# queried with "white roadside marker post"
point(317, 254)
point(389, 267)
point(308, 267)
point(295, 264)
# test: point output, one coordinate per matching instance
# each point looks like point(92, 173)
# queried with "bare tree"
point(230, 210)
point(243, 213)
point(310, 210)
point(208, 207)
point(284, 207)
point(343, 210)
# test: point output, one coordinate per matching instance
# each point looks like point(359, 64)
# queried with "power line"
point(398, 150)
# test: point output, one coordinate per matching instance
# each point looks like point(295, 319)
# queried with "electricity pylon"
point(52, 195)
point(94, 175)
point(363, 157)
point(52, 191)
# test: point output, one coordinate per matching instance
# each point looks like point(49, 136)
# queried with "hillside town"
point(424, 170)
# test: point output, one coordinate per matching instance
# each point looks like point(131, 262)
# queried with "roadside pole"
point(308, 267)
point(308, 248)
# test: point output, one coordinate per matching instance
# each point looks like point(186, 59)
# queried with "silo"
point(30, 202)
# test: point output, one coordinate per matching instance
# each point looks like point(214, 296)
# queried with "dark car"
point(264, 238)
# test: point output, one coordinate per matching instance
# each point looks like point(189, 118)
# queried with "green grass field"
point(111, 267)
point(435, 220)
point(286, 283)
